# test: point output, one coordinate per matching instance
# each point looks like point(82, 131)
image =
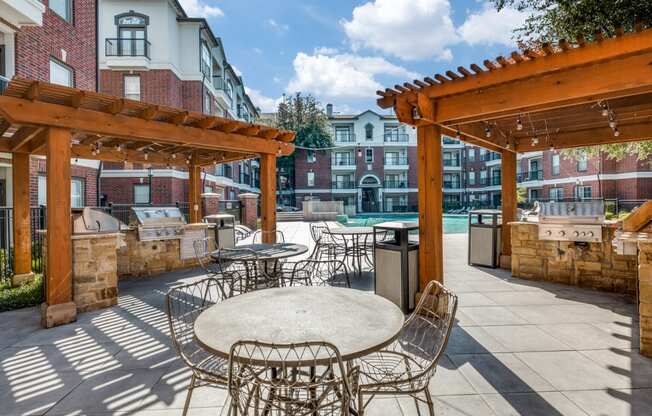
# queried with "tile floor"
point(518, 348)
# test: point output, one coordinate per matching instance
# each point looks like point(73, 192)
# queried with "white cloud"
point(489, 26)
point(277, 27)
point(408, 29)
point(324, 50)
point(342, 75)
point(266, 104)
point(198, 8)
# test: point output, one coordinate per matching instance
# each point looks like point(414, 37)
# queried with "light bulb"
point(487, 132)
point(519, 124)
point(174, 155)
point(616, 132)
point(146, 155)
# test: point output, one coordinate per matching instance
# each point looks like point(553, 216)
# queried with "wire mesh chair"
point(324, 242)
point(183, 305)
point(242, 232)
point(205, 261)
point(298, 379)
point(406, 366)
point(316, 272)
point(242, 271)
point(259, 234)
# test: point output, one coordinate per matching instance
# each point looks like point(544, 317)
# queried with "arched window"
point(132, 34)
point(369, 131)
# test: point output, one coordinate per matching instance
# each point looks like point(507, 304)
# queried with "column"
point(58, 308)
point(429, 172)
point(21, 219)
point(194, 193)
point(508, 203)
point(249, 210)
point(268, 195)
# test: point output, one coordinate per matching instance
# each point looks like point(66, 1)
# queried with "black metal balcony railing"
point(484, 157)
point(451, 162)
point(396, 160)
point(448, 140)
point(4, 82)
point(343, 185)
point(126, 47)
point(494, 156)
point(451, 185)
point(220, 85)
point(397, 137)
point(344, 137)
point(343, 161)
point(243, 113)
point(534, 175)
point(394, 184)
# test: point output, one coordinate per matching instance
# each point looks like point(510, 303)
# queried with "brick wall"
point(89, 176)
point(158, 86)
point(35, 45)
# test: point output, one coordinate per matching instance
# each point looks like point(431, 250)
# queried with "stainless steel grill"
point(571, 221)
point(95, 221)
point(157, 223)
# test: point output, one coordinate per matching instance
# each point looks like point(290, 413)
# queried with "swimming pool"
point(453, 224)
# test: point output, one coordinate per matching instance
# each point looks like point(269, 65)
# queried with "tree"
point(552, 20)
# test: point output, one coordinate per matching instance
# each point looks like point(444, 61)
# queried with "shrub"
point(27, 294)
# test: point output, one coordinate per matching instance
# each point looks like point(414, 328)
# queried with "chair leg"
point(431, 406)
point(189, 395)
point(360, 408)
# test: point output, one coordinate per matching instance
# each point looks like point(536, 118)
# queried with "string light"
point(145, 155)
point(535, 141)
point(173, 156)
point(616, 132)
point(487, 132)
point(605, 108)
point(458, 135)
point(519, 124)
point(612, 120)
point(214, 162)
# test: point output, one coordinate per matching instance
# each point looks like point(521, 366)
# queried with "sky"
point(343, 51)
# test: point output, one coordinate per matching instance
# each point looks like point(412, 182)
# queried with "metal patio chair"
point(183, 305)
point(242, 271)
point(258, 236)
point(406, 366)
point(317, 272)
point(303, 379)
point(206, 262)
point(242, 232)
point(325, 244)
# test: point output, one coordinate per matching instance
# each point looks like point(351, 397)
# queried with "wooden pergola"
point(60, 123)
point(570, 94)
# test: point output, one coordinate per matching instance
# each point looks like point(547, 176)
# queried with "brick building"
point(152, 51)
point(51, 41)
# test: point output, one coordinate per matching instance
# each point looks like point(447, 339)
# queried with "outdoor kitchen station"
point(571, 243)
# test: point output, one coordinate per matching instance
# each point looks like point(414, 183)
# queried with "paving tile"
point(499, 373)
point(517, 338)
point(448, 380)
point(65, 335)
point(447, 406)
point(474, 299)
point(583, 336)
point(570, 370)
point(560, 314)
point(623, 402)
point(529, 297)
point(473, 340)
point(36, 395)
point(628, 363)
point(532, 404)
point(492, 315)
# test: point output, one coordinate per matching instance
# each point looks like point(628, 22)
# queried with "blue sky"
point(342, 51)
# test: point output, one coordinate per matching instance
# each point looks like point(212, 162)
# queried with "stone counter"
point(590, 265)
point(146, 258)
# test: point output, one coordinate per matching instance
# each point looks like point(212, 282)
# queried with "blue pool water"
point(453, 224)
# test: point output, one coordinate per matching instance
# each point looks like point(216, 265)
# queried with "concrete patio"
point(518, 348)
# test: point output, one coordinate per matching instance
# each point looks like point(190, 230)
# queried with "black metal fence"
point(37, 223)
point(233, 207)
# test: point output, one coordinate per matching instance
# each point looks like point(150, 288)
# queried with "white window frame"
point(582, 162)
point(471, 178)
point(77, 199)
point(580, 192)
point(555, 162)
point(472, 155)
point(310, 179)
point(130, 90)
point(141, 193)
point(56, 65)
point(556, 194)
point(368, 152)
point(311, 156)
point(64, 14)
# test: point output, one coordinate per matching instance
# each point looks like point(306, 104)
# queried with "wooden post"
point(508, 199)
point(429, 171)
point(268, 197)
point(21, 214)
point(59, 308)
point(194, 193)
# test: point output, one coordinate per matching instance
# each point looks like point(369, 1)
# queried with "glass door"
point(132, 41)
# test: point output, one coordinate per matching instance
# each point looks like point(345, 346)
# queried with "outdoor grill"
point(571, 221)
point(157, 223)
point(95, 221)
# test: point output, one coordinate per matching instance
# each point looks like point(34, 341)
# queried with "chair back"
point(315, 272)
point(202, 255)
point(318, 232)
point(425, 334)
point(242, 232)
point(289, 379)
point(259, 234)
point(241, 268)
point(183, 305)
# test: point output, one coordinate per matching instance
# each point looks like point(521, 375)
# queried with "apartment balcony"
point(535, 175)
point(496, 180)
point(127, 53)
point(449, 185)
point(396, 137)
point(396, 163)
point(450, 143)
point(223, 93)
point(20, 13)
point(452, 164)
point(343, 186)
point(347, 163)
point(243, 113)
point(342, 137)
point(396, 186)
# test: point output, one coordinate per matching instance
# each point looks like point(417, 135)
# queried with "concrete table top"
point(356, 322)
point(351, 230)
point(264, 251)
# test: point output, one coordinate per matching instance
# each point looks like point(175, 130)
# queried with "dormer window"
point(369, 131)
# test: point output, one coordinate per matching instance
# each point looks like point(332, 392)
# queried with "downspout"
point(98, 184)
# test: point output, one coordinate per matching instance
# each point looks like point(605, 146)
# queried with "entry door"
point(132, 41)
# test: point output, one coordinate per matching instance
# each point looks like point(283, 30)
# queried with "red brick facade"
point(156, 86)
point(86, 174)
point(71, 43)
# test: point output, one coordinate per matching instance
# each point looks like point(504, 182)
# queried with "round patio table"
point(264, 251)
point(353, 236)
point(356, 322)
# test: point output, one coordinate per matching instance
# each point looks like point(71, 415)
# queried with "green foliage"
point(552, 20)
point(520, 195)
point(27, 294)
point(301, 113)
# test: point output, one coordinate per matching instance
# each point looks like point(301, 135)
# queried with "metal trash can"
point(224, 229)
point(484, 237)
point(396, 263)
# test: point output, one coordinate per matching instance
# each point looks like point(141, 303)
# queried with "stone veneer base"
point(55, 315)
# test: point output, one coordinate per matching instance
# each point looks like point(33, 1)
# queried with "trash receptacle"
point(396, 263)
point(484, 237)
point(224, 229)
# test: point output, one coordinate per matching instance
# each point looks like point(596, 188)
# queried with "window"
point(205, 60)
point(208, 189)
point(369, 155)
point(63, 8)
point(77, 193)
point(555, 164)
point(472, 154)
point(310, 178)
point(141, 194)
point(311, 156)
point(343, 134)
point(483, 177)
point(132, 87)
point(471, 178)
point(343, 159)
point(132, 34)
point(556, 194)
point(483, 154)
point(369, 131)
point(583, 191)
point(60, 73)
point(207, 102)
point(582, 162)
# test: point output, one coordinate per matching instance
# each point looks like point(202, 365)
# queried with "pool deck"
point(517, 348)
